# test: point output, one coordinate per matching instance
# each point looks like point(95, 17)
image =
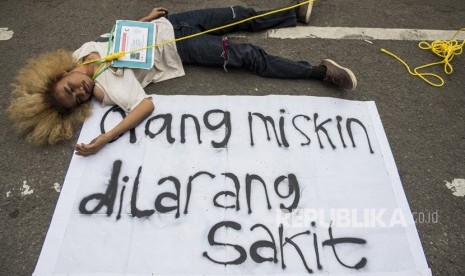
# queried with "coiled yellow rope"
point(445, 49)
point(117, 55)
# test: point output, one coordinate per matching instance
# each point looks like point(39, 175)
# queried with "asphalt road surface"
point(424, 125)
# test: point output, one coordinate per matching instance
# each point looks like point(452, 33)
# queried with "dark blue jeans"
point(214, 50)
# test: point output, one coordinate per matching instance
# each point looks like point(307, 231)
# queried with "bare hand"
point(93, 147)
point(155, 14)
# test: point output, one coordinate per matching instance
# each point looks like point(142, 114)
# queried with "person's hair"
point(34, 109)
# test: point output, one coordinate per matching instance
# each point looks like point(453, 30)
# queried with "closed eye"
point(70, 92)
point(67, 89)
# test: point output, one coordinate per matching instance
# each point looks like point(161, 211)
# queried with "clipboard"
point(131, 35)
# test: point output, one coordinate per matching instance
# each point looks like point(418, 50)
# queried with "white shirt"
point(125, 87)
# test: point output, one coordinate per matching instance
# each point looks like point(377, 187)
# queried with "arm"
point(154, 14)
point(133, 119)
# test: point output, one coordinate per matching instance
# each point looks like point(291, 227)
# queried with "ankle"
point(318, 72)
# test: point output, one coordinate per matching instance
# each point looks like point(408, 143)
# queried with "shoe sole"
point(351, 74)
point(308, 13)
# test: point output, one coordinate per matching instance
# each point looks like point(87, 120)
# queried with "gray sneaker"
point(339, 76)
point(304, 12)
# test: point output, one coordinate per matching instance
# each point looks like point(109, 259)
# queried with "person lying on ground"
point(52, 93)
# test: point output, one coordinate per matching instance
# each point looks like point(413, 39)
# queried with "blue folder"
point(144, 64)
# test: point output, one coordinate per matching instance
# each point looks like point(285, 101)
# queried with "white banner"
point(236, 185)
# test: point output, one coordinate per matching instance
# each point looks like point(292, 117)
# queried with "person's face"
point(73, 89)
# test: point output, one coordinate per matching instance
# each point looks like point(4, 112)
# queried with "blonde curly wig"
point(33, 110)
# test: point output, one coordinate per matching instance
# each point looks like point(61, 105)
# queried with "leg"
point(211, 50)
point(210, 18)
point(256, 60)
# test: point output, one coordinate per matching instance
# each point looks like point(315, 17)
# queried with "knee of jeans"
point(233, 12)
point(240, 12)
point(225, 53)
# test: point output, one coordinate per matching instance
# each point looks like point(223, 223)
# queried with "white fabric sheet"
point(350, 213)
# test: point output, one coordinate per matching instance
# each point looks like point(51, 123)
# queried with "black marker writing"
point(319, 128)
point(167, 119)
point(298, 242)
point(293, 189)
point(132, 132)
point(211, 240)
point(296, 247)
point(248, 186)
point(266, 120)
point(254, 248)
point(237, 185)
point(183, 127)
point(189, 187)
point(108, 198)
point(134, 210)
point(299, 130)
point(226, 122)
point(158, 202)
point(349, 130)
point(333, 242)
